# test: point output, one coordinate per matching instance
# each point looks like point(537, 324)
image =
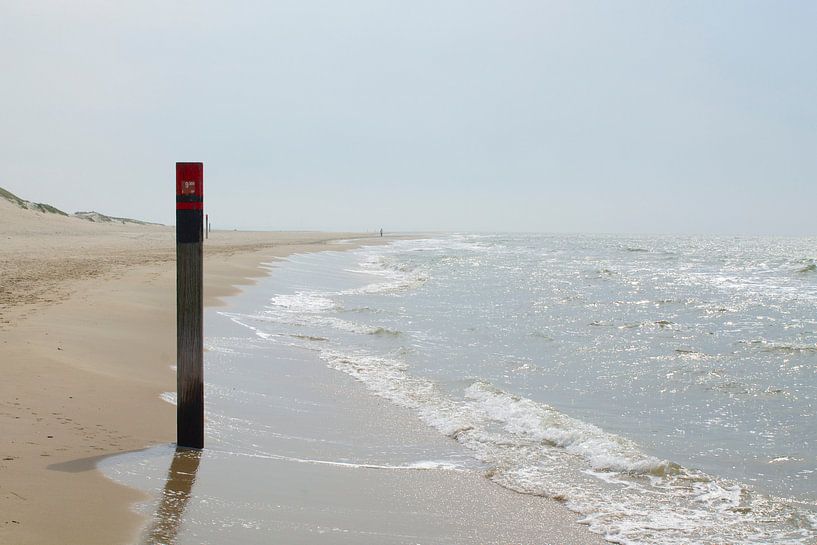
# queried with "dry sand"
point(87, 335)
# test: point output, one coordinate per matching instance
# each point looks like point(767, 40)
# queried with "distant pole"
point(189, 305)
point(206, 226)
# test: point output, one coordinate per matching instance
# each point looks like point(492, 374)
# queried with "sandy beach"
point(483, 273)
point(88, 332)
point(87, 329)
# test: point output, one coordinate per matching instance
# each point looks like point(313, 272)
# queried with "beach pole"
point(206, 226)
point(189, 305)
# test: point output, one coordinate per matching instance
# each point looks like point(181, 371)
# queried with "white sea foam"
point(390, 287)
point(388, 378)
point(621, 492)
point(396, 279)
point(304, 301)
point(423, 465)
point(320, 321)
point(526, 418)
point(525, 421)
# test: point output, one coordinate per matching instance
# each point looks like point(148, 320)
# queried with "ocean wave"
point(619, 487)
point(541, 335)
point(601, 323)
point(345, 325)
point(363, 309)
point(531, 420)
point(310, 338)
point(788, 348)
point(387, 377)
point(808, 266)
point(384, 331)
point(392, 287)
point(785, 459)
point(659, 324)
point(275, 316)
point(621, 492)
point(304, 301)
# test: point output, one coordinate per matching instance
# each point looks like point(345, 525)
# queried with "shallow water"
point(663, 387)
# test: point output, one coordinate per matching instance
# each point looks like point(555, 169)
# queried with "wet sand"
point(318, 459)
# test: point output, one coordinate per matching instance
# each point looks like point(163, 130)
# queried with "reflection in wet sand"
point(176, 494)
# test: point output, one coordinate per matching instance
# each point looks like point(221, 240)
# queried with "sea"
point(664, 388)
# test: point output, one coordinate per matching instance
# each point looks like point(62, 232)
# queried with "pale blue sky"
point(649, 116)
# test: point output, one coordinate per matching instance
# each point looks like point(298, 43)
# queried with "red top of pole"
point(189, 186)
point(189, 179)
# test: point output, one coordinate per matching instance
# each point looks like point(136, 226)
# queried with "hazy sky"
point(607, 116)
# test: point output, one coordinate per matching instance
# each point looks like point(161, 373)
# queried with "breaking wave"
point(623, 493)
point(618, 487)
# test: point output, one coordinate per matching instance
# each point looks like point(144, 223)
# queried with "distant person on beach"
point(381, 231)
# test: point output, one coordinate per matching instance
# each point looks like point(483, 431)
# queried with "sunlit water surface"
point(662, 387)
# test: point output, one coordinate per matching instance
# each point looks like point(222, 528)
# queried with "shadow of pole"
point(175, 496)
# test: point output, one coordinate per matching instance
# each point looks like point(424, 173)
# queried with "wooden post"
point(189, 305)
point(206, 226)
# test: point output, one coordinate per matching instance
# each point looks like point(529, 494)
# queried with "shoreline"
point(86, 356)
point(316, 466)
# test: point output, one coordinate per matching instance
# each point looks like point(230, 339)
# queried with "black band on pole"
point(189, 226)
